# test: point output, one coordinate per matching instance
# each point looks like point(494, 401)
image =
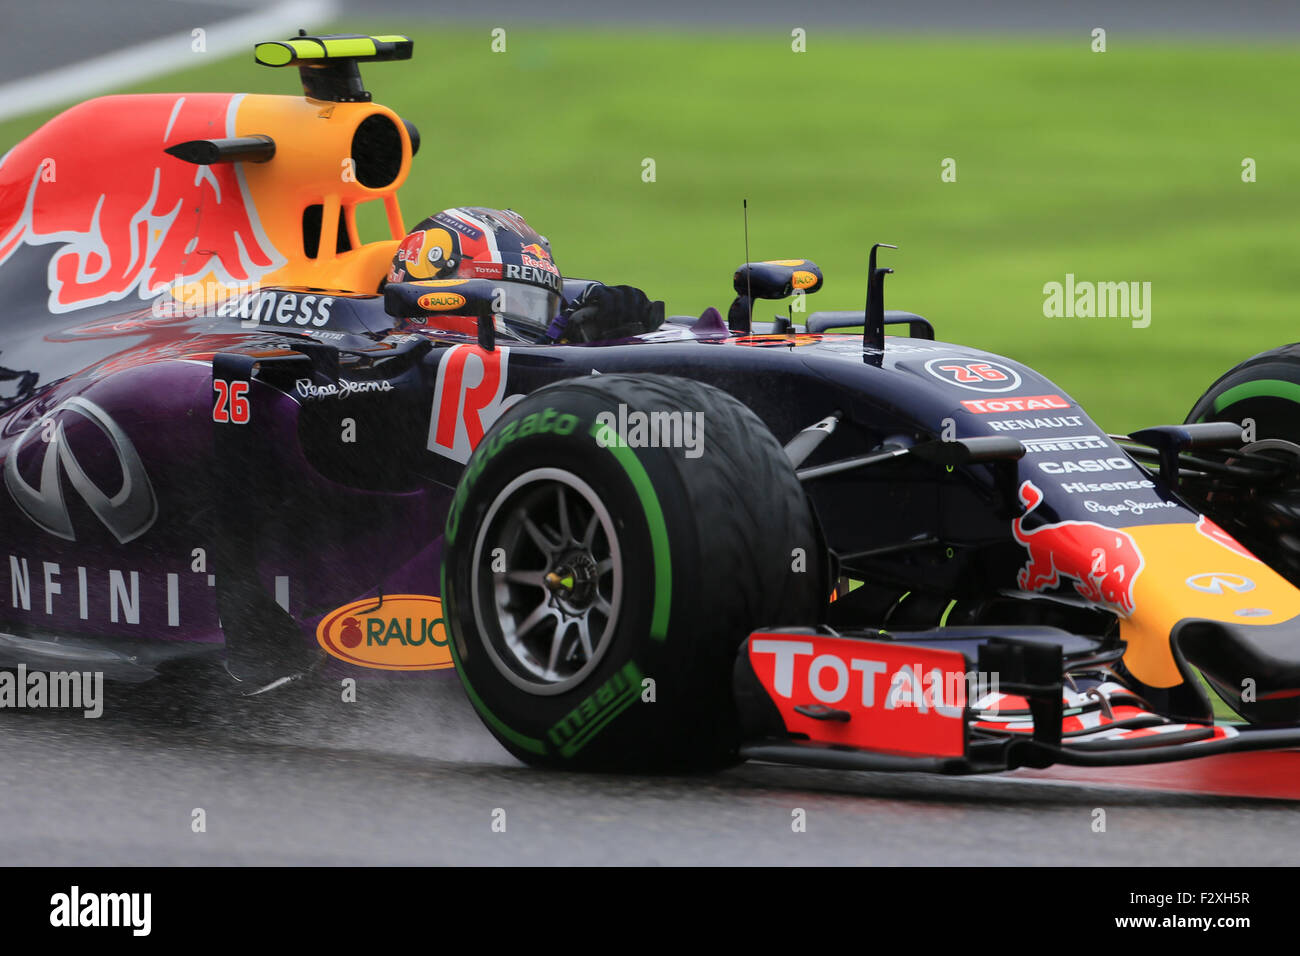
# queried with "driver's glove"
point(604, 312)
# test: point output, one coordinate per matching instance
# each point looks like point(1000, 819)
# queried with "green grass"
point(1223, 714)
point(1116, 167)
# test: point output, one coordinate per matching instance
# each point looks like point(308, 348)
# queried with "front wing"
point(960, 700)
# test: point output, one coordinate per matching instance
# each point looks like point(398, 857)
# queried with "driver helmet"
point(472, 242)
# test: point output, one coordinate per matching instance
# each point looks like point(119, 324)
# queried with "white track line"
point(112, 71)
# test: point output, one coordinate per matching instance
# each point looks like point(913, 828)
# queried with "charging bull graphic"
point(126, 216)
point(1212, 531)
point(427, 253)
point(1104, 562)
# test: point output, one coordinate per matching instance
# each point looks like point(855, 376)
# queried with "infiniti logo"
point(127, 514)
point(1218, 583)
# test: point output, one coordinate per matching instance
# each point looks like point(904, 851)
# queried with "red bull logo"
point(535, 255)
point(1212, 531)
point(794, 338)
point(409, 250)
point(1103, 562)
point(125, 217)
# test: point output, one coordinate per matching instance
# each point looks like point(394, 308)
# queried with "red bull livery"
point(232, 432)
point(1103, 562)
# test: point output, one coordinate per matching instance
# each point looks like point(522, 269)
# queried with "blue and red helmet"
point(471, 242)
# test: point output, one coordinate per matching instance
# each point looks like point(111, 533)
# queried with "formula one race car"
point(232, 429)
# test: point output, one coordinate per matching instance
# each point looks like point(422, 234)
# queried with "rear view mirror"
point(431, 298)
point(434, 297)
point(777, 278)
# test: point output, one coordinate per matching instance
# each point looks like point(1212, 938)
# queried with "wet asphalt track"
point(408, 776)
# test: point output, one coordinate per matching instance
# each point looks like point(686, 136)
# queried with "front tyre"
point(596, 591)
point(1265, 390)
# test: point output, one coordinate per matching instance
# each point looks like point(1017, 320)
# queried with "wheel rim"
point(547, 581)
point(1274, 444)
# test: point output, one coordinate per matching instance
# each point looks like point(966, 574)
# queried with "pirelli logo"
point(1067, 443)
point(589, 718)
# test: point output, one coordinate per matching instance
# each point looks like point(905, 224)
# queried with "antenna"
point(749, 298)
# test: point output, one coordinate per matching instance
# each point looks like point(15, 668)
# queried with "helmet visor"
point(530, 306)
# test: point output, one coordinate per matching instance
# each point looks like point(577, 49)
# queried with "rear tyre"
point(596, 595)
point(1265, 389)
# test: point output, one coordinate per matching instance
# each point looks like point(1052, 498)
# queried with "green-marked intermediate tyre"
point(1266, 389)
point(596, 593)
